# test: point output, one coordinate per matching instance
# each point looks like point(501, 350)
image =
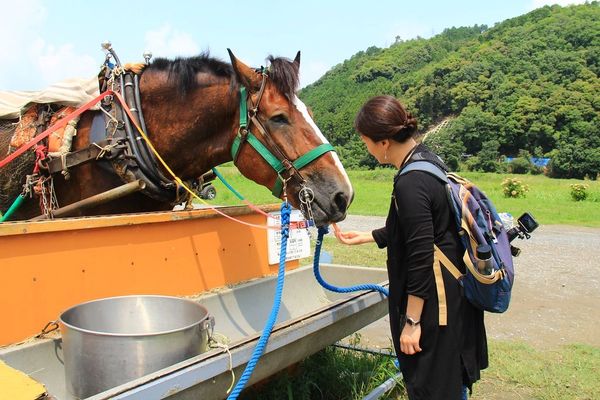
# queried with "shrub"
point(472, 163)
point(519, 165)
point(513, 187)
point(579, 191)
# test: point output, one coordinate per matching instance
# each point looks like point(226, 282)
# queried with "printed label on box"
point(298, 245)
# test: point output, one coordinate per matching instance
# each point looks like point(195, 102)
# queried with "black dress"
point(451, 355)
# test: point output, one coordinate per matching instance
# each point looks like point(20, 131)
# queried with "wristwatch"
point(412, 322)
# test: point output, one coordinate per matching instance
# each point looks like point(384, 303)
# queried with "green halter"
point(279, 165)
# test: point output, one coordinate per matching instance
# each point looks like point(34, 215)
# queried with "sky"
point(44, 42)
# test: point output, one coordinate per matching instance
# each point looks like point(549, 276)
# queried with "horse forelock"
point(183, 71)
point(285, 75)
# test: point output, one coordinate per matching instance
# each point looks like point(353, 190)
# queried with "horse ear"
point(297, 59)
point(244, 74)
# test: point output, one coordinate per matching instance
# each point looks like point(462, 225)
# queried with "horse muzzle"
point(325, 203)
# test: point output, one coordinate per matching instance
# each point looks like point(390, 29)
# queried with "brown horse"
point(192, 112)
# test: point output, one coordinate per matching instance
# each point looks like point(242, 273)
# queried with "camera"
point(525, 225)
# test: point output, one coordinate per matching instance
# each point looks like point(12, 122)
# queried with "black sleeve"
point(380, 236)
point(413, 197)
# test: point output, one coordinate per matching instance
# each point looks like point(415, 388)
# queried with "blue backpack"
point(490, 273)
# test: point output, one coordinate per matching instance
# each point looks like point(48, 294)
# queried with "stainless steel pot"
point(111, 341)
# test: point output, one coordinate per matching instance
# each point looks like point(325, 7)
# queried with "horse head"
point(278, 145)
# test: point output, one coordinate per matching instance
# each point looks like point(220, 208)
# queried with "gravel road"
point(555, 297)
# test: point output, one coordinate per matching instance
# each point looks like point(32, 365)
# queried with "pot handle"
point(209, 323)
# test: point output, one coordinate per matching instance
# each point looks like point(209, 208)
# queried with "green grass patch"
point(331, 374)
point(518, 371)
point(549, 200)
point(366, 255)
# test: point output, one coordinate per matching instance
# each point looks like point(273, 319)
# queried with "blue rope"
point(264, 337)
point(266, 333)
point(322, 231)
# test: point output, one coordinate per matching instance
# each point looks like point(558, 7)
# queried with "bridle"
point(270, 151)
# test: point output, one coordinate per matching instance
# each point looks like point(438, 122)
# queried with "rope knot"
point(286, 210)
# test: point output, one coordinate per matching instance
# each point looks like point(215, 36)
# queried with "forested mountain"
point(529, 84)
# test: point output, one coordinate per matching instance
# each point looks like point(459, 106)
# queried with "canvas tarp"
point(70, 92)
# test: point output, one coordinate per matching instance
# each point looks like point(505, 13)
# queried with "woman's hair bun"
point(384, 117)
point(411, 122)
point(408, 127)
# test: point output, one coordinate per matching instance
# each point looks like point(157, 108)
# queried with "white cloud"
point(58, 63)
point(168, 42)
point(28, 62)
point(541, 3)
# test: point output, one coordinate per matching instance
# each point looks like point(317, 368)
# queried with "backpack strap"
point(425, 166)
point(439, 259)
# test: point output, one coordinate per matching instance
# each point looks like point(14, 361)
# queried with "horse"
point(195, 117)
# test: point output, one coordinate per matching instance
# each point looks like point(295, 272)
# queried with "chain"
point(284, 189)
point(307, 196)
point(48, 196)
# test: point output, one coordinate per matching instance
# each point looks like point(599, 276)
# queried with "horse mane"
point(284, 74)
point(182, 71)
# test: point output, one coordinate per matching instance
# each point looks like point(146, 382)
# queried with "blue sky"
point(47, 41)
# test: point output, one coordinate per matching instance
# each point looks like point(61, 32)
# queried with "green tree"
point(530, 83)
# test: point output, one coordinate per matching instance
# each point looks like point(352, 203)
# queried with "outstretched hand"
point(352, 237)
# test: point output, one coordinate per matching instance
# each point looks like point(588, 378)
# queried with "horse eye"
point(280, 119)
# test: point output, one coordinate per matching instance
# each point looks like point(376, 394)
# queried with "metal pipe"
point(384, 387)
point(101, 198)
point(364, 350)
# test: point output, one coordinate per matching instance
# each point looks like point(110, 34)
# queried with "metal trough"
point(310, 318)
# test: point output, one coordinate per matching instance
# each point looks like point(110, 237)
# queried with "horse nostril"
point(341, 201)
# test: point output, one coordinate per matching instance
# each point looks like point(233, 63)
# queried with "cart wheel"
point(209, 192)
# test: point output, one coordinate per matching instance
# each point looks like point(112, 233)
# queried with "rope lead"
point(266, 333)
point(321, 232)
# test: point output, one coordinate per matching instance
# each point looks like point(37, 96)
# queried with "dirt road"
point(556, 295)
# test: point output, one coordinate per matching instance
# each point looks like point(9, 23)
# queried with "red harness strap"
point(61, 123)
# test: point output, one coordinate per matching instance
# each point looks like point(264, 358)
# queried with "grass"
point(548, 199)
point(367, 255)
point(518, 371)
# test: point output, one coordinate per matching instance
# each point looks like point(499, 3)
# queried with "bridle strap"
point(302, 161)
point(270, 152)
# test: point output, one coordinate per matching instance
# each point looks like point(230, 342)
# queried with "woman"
point(437, 362)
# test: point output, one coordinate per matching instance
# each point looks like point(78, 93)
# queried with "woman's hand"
point(352, 237)
point(409, 339)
